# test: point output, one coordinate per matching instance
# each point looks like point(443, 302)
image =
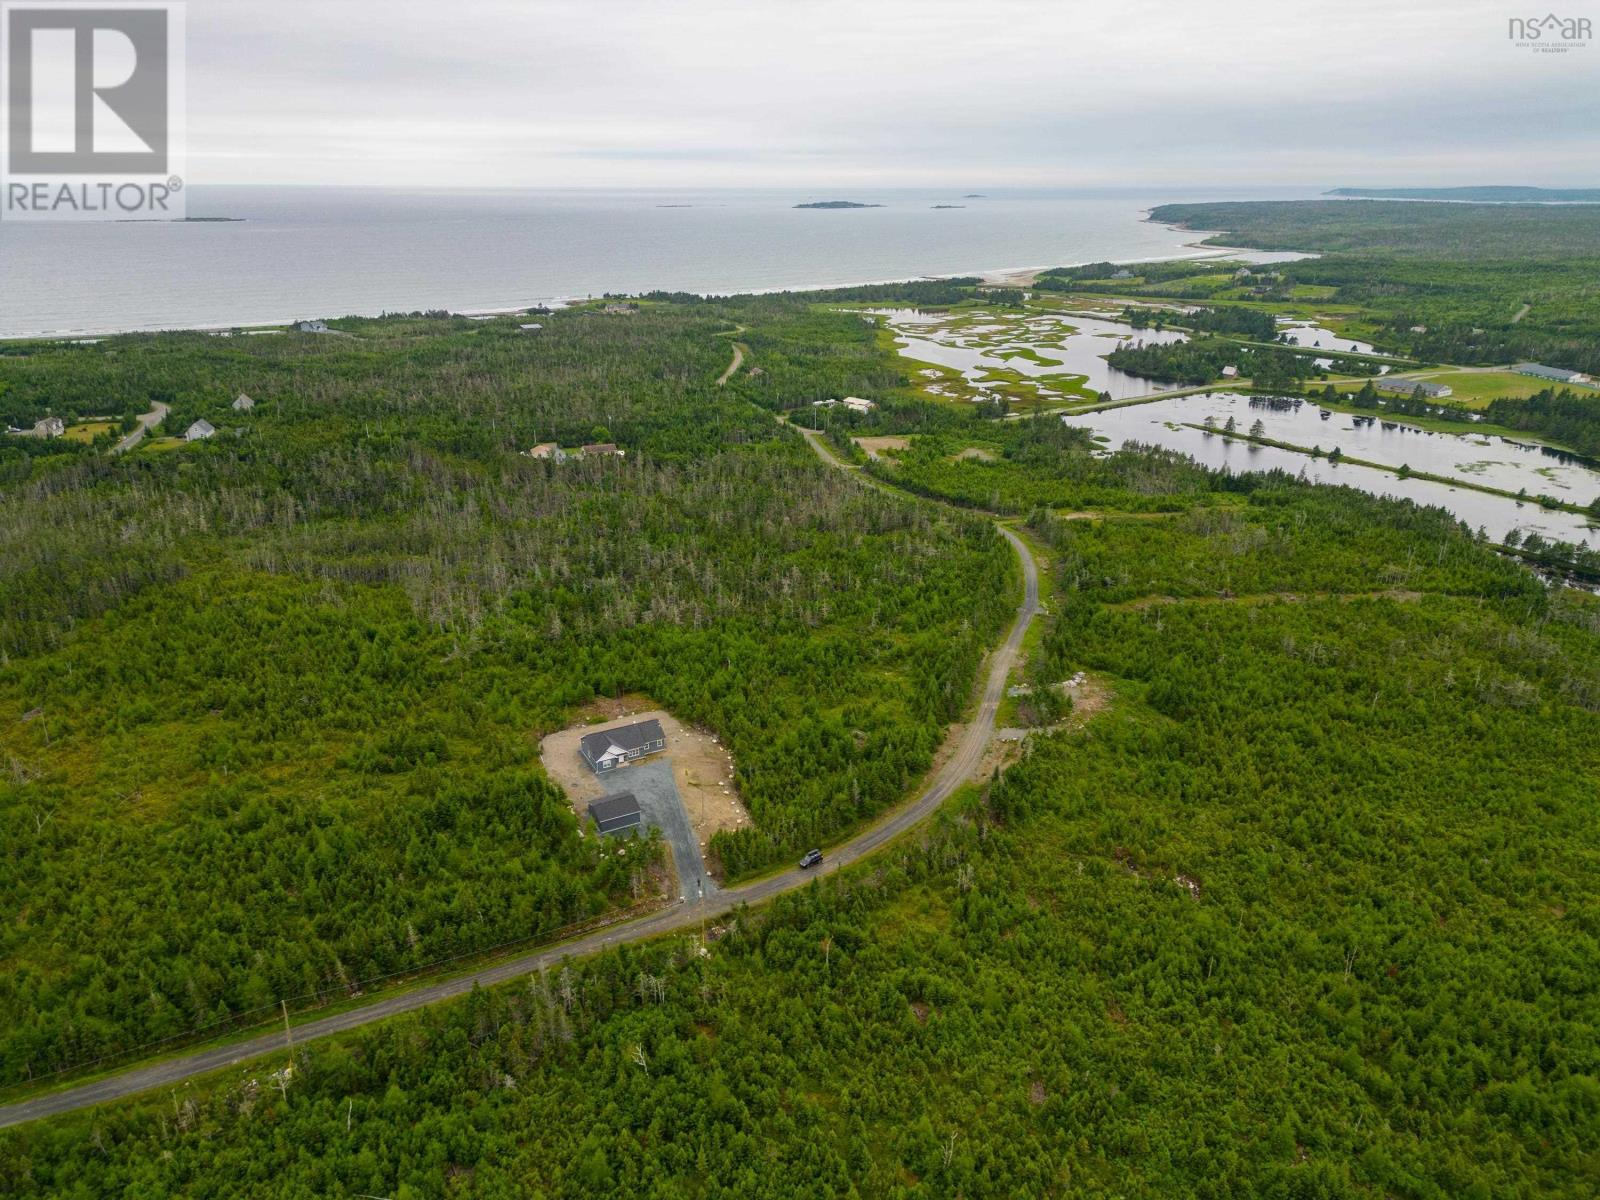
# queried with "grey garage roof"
point(615, 813)
point(1557, 374)
point(629, 737)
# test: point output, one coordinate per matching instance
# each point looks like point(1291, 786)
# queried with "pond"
point(1487, 460)
point(1314, 336)
point(1042, 348)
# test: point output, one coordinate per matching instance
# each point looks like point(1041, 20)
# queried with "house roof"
point(628, 737)
point(1560, 374)
point(615, 812)
point(1411, 385)
point(202, 426)
point(601, 448)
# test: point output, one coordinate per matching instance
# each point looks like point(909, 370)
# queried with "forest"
point(1305, 905)
point(1565, 415)
point(1202, 360)
point(1308, 910)
point(1248, 322)
point(271, 703)
point(1460, 283)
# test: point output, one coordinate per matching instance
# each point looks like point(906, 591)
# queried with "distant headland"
point(837, 204)
point(1493, 195)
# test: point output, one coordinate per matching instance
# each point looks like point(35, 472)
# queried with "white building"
point(199, 431)
point(243, 403)
point(857, 404)
point(312, 326)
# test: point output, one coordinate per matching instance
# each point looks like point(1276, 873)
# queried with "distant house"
point(1122, 273)
point(1410, 387)
point(1242, 273)
point(1230, 372)
point(1553, 374)
point(616, 814)
point(49, 427)
point(243, 403)
point(601, 450)
point(620, 310)
point(311, 326)
point(531, 327)
point(824, 403)
point(548, 451)
point(609, 749)
point(857, 404)
point(199, 431)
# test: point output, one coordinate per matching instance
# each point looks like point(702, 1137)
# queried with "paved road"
point(147, 422)
point(958, 769)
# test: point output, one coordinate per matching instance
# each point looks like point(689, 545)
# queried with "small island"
point(837, 204)
point(949, 206)
point(974, 196)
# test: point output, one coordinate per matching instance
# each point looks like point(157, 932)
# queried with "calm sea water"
point(320, 252)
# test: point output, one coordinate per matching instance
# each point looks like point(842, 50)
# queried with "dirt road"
point(957, 769)
point(147, 422)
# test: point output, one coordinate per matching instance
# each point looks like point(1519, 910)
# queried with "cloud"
point(805, 92)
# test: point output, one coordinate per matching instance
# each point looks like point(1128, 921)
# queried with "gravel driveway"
point(662, 807)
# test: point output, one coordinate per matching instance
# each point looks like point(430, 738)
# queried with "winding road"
point(960, 766)
point(147, 422)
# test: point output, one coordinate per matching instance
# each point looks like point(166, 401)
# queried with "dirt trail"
point(738, 357)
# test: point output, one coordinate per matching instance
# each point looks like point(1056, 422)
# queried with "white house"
point(50, 427)
point(548, 451)
point(1230, 372)
point(311, 326)
point(531, 327)
point(199, 431)
point(857, 404)
point(243, 403)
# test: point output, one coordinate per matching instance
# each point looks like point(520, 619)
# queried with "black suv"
point(812, 858)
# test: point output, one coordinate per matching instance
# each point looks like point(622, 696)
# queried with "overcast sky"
point(883, 92)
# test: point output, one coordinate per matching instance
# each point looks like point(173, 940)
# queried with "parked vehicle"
point(812, 858)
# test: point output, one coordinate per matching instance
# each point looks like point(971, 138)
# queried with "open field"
point(878, 447)
point(88, 431)
point(702, 769)
point(1475, 389)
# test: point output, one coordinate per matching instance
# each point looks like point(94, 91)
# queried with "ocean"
point(291, 253)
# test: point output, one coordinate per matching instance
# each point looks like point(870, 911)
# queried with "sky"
point(813, 93)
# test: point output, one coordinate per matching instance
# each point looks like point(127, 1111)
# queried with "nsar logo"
point(1550, 34)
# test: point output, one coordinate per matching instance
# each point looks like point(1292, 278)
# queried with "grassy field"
point(1474, 389)
point(88, 431)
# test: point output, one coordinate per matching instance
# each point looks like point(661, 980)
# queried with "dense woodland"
point(271, 703)
point(1564, 415)
point(1309, 910)
point(1202, 360)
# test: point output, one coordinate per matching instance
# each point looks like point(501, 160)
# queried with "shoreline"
point(994, 276)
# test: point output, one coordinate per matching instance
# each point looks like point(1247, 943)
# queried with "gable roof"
point(628, 737)
point(201, 428)
point(615, 811)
